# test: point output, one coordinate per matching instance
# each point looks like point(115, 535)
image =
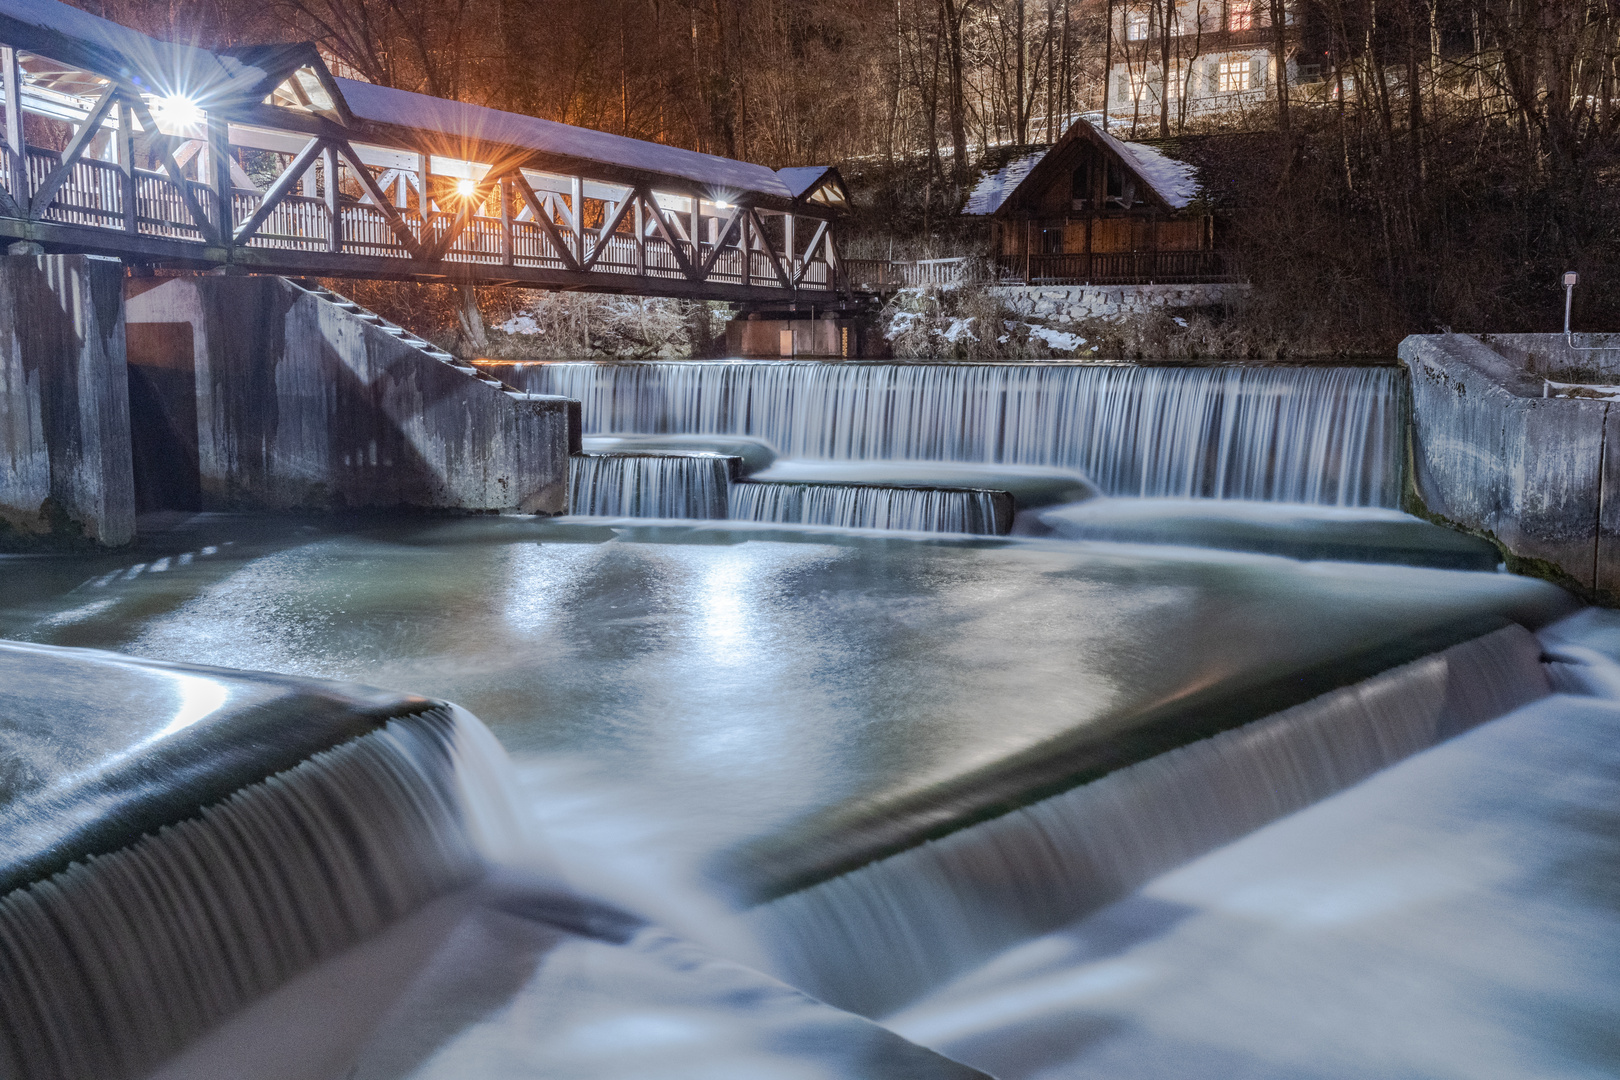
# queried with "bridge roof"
point(468, 125)
point(238, 79)
point(69, 35)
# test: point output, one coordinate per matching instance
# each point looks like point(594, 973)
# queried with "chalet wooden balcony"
point(1118, 268)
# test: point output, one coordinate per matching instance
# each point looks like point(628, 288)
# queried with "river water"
point(709, 724)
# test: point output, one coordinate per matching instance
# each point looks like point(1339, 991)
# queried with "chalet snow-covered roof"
point(1174, 182)
point(475, 123)
point(993, 188)
point(69, 35)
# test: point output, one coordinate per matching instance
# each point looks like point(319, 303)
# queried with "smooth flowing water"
point(693, 486)
point(117, 962)
point(1325, 435)
point(814, 746)
point(868, 507)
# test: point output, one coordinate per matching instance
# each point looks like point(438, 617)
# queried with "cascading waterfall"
point(119, 960)
point(1325, 435)
point(649, 485)
point(873, 939)
point(857, 506)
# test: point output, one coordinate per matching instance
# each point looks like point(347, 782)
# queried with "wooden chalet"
point(1095, 210)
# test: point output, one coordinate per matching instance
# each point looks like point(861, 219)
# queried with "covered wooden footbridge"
point(261, 160)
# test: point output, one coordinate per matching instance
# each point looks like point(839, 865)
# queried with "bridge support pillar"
point(65, 471)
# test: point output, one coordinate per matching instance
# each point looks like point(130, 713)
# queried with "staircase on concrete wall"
point(284, 395)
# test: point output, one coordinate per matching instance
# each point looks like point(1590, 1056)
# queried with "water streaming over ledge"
point(1325, 435)
point(116, 962)
point(855, 506)
point(649, 485)
point(871, 940)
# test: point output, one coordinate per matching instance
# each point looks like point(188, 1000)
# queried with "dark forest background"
point(1446, 161)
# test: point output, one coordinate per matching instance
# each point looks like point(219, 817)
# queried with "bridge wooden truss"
point(262, 161)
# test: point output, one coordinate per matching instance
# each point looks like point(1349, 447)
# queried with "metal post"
point(16, 150)
point(334, 209)
point(1571, 279)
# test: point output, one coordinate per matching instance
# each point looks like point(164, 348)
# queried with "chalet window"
point(1080, 187)
point(1240, 16)
point(1121, 188)
point(1136, 26)
point(1051, 241)
point(1232, 76)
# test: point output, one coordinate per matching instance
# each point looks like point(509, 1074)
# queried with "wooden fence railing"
point(1118, 268)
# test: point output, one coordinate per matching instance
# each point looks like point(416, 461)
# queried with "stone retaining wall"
point(1073, 303)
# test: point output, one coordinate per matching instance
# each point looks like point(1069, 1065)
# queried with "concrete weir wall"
point(1491, 453)
point(65, 470)
point(255, 393)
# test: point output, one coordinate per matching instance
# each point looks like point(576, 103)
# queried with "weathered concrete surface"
point(1489, 452)
point(285, 400)
point(65, 470)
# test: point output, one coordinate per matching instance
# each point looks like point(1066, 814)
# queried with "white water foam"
point(874, 939)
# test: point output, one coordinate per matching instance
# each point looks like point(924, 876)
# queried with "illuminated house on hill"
point(1223, 56)
point(1095, 210)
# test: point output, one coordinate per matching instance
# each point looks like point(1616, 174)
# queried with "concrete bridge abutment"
point(65, 462)
point(254, 392)
point(120, 395)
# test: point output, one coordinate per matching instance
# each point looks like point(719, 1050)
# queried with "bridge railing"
point(94, 194)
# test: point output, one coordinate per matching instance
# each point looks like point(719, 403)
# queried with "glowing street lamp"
point(177, 112)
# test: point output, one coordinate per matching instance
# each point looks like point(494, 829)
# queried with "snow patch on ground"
point(1056, 340)
point(521, 324)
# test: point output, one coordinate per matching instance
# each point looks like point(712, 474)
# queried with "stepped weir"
point(839, 690)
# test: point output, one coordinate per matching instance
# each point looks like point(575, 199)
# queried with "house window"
point(1136, 26)
point(1051, 241)
point(1232, 76)
point(1080, 188)
point(1240, 16)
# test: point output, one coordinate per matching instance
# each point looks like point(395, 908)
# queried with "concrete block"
point(65, 466)
point(301, 404)
point(1490, 453)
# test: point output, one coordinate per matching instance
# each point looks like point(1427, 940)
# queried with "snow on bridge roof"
point(72, 36)
point(802, 178)
point(403, 109)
